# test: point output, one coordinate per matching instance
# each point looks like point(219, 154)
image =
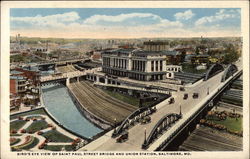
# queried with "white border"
point(5, 38)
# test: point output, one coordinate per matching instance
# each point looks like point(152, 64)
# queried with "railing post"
point(144, 145)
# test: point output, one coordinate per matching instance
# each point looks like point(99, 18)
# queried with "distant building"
point(32, 76)
point(23, 85)
point(15, 101)
point(41, 49)
point(174, 68)
point(173, 57)
point(18, 85)
point(96, 56)
point(156, 46)
point(199, 59)
point(186, 50)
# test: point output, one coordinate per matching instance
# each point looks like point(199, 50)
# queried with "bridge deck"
point(136, 133)
point(68, 68)
point(134, 88)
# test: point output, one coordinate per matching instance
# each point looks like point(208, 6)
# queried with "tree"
point(197, 50)
point(231, 55)
point(183, 55)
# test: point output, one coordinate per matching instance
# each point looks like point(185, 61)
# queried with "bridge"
point(153, 90)
point(65, 61)
point(169, 120)
point(102, 79)
point(67, 77)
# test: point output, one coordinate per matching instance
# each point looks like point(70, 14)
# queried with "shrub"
point(20, 118)
point(53, 128)
point(30, 132)
point(73, 143)
point(23, 131)
point(39, 133)
point(41, 146)
point(50, 125)
point(77, 140)
point(202, 121)
point(13, 131)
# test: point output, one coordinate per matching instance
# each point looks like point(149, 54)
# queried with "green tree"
point(197, 50)
point(231, 55)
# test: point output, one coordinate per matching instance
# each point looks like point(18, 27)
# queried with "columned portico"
point(139, 65)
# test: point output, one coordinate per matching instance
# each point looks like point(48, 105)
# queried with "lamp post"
point(180, 111)
point(115, 126)
point(207, 90)
point(145, 139)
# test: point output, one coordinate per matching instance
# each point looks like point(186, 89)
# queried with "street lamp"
point(207, 90)
point(180, 111)
point(145, 139)
point(115, 126)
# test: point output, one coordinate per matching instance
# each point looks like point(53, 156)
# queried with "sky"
point(104, 23)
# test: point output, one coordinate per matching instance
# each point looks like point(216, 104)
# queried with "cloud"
point(72, 21)
point(184, 15)
point(50, 20)
point(130, 25)
point(99, 19)
point(219, 16)
point(131, 19)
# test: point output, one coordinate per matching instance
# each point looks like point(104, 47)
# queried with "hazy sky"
point(125, 22)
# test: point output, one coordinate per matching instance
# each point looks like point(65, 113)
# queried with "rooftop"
point(126, 51)
point(141, 52)
point(155, 43)
point(17, 77)
point(15, 72)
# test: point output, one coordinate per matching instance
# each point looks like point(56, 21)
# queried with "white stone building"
point(135, 64)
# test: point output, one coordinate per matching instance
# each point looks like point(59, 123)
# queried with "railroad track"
point(112, 100)
point(101, 104)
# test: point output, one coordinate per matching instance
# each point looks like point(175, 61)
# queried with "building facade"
point(135, 64)
point(156, 46)
point(18, 85)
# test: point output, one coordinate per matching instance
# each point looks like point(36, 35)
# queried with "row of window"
point(118, 63)
point(139, 65)
point(175, 69)
point(156, 66)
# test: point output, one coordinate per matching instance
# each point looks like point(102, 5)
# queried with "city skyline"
point(101, 23)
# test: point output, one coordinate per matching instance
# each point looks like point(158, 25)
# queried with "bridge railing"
point(213, 70)
point(132, 119)
point(194, 115)
point(230, 70)
point(162, 125)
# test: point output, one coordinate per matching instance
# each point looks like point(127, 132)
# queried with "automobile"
point(153, 109)
point(185, 96)
point(171, 100)
point(195, 95)
point(123, 137)
point(146, 120)
point(182, 89)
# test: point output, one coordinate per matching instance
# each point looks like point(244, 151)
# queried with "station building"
point(135, 64)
